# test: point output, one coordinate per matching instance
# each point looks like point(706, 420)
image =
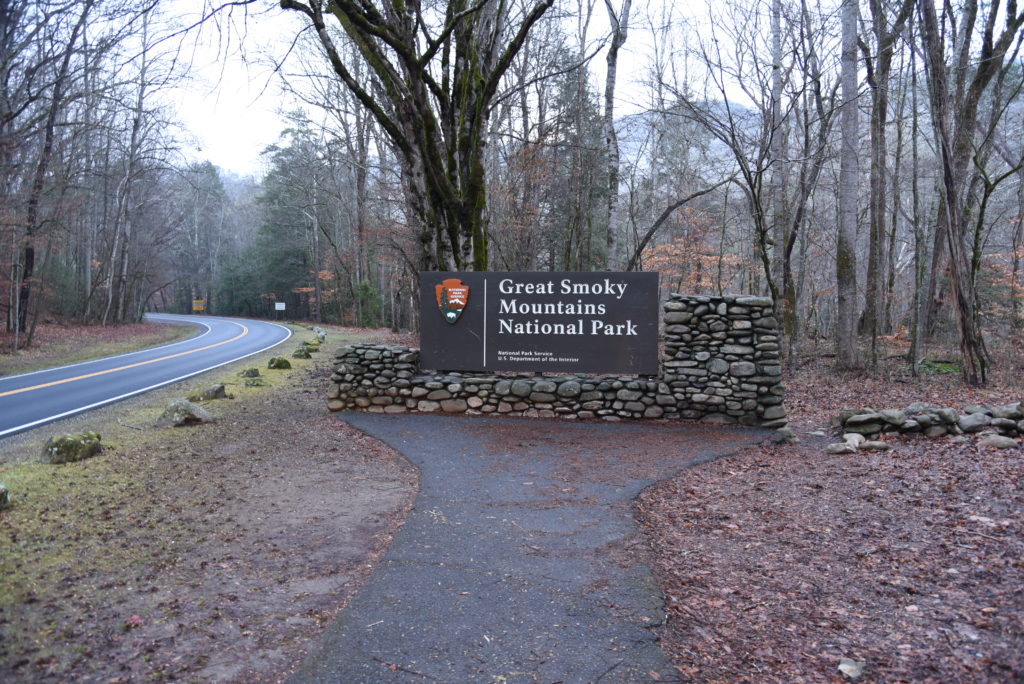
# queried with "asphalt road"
point(34, 399)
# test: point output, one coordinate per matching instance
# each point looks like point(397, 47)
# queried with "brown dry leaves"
point(780, 561)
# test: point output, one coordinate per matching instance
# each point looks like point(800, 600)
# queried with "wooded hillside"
point(860, 163)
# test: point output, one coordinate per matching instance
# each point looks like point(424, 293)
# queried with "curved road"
point(33, 399)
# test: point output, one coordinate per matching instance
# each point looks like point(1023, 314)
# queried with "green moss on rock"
point(279, 364)
point(182, 412)
point(70, 448)
point(209, 393)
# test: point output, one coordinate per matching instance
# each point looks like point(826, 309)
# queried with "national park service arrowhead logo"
point(452, 297)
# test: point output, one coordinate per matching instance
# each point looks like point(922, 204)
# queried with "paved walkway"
point(520, 561)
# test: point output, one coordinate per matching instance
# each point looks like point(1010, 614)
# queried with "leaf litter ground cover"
point(781, 561)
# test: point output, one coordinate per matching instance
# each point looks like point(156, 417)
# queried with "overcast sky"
point(231, 105)
point(231, 101)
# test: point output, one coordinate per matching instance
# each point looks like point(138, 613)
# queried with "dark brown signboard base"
point(540, 322)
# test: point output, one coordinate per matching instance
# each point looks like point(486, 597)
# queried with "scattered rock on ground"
point(854, 439)
point(183, 412)
point(209, 393)
point(5, 498)
point(784, 436)
point(874, 445)
point(997, 442)
point(71, 448)
point(301, 353)
point(249, 373)
point(853, 669)
point(279, 363)
point(841, 448)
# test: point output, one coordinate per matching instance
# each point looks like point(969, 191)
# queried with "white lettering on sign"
point(577, 308)
point(605, 288)
point(535, 327)
point(602, 328)
point(577, 322)
point(509, 286)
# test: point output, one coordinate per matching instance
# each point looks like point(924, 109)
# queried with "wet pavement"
point(521, 561)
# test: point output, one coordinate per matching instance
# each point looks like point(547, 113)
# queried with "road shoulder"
point(215, 551)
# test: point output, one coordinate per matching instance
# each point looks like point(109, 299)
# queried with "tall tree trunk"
point(878, 77)
point(920, 257)
point(1016, 294)
point(776, 199)
point(620, 27)
point(28, 250)
point(436, 93)
point(849, 170)
point(117, 295)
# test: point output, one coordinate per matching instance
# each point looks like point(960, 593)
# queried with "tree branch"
point(649, 235)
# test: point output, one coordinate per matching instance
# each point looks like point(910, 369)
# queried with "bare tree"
point(879, 69)
point(955, 93)
point(846, 239)
point(438, 69)
point(620, 28)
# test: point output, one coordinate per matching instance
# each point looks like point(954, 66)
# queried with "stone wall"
point(720, 365)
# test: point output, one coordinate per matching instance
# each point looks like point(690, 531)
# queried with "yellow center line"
point(245, 331)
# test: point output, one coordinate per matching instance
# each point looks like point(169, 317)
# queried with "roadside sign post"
point(279, 307)
point(198, 305)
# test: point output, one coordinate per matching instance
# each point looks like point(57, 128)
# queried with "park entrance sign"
point(540, 322)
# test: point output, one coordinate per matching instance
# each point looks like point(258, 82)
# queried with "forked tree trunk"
point(955, 106)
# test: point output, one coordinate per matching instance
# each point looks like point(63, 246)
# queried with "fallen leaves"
point(782, 563)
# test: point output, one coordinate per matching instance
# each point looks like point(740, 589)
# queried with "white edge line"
point(118, 356)
point(82, 409)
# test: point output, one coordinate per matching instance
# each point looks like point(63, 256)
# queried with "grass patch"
point(937, 367)
point(112, 552)
point(66, 518)
point(122, 516)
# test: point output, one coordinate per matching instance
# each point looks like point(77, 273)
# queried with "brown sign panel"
point(540, 322)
